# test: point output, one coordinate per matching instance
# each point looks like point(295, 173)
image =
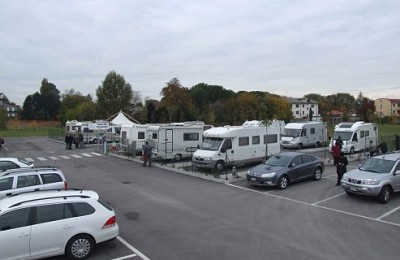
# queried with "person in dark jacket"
point(341, 167)
point(382, 147)
point(147, 152)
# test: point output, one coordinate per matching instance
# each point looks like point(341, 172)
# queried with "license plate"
point(253, 179)
point(353, 189)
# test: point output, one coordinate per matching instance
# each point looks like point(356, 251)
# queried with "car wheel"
point(317, 144)
point(317, 174)
point(80, 247)
point(300, 146)
point(385, 194)
point(283, 182)
point(95, 141)
point(219, 166)
point(352, 150)
point(177, 157)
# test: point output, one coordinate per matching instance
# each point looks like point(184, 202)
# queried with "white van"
point(238, 145)
point(176, 140)
point(132, 137)
point(357, 136)
point(299, 135)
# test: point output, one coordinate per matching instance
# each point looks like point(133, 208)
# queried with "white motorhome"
point(132, 137)
point(91, 131)
point(238, 145)
point(303, 134)
point(357, 136)
point(176, 140)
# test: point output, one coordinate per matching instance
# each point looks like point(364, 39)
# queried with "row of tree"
point(210, 103)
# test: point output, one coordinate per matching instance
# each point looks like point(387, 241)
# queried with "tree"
point(177, 101)
point(50, 100)
point(32, 107)
point(3, 120)
point(114, 95)
point(70, 101)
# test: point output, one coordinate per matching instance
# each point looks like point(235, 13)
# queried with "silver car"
point(378, 176)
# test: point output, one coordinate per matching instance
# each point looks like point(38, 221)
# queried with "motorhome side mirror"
point(397, 172)
point(223, 150)
point(198, 146)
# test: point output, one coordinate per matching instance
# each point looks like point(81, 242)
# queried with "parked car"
point(378, 176)
point(286, 168)
point(51, 223)
point(13, 163)
point(20, 181)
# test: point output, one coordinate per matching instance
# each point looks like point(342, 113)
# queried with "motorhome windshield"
point(211, 143)
point(291, 132)
point(345, 136)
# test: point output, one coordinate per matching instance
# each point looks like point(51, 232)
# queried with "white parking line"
point(76, 156)
point(125, 257)
point(388, 213)
point(54, 158)
point(318, 202)
point(64, 157)
point(42, 159)
point(319, 206)
point(29, 159)
point(87, 155)
point(97, 154)
point(132, 248)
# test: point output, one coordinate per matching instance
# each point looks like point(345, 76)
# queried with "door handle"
point(24, 235)
point(67, 227)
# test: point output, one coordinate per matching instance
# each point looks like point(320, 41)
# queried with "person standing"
point(147, 152)
point(341, 167)
point(339, 141)
point(382, 147)
point(335, 153)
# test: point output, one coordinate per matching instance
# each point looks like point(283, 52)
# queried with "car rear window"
point(6, 183)
point(83, 209)
point(51, 178)
point(105, 204)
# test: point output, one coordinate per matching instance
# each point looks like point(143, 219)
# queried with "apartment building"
point(301, 108)
point(387, 107)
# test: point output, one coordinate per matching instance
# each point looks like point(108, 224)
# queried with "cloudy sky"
point(284, 47)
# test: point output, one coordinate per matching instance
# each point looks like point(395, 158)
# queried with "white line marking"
point(76, 156)
point(29, 159)
point(42, 159)
point(132, 248)
point(87, 155)
point(388, 213)
point(124, 257)
point(64, 157)
point(54, 158)
point(318, 202)
point(318, 206)
point(97, 154)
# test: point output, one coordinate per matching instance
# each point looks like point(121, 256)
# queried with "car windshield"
point(211, 144)
point(291, 132)
point(377, 165)
point(279, 160)
point(345, 136)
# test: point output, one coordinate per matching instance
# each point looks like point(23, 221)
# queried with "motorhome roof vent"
point(252, 123)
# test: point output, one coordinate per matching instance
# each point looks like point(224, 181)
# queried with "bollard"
point(234, 173)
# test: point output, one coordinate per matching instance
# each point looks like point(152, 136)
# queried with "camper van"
point(132, 137)
point(299, 135)
point(91, 131)
point(356, 136)
point(238, 145)
point(176, 140)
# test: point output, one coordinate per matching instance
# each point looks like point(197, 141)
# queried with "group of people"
point(76, 138)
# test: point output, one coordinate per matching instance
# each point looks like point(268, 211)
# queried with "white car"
point(13, 163)
point(27, 180)
point(50, 223)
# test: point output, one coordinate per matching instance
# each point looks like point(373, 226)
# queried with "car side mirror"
point(397, 172)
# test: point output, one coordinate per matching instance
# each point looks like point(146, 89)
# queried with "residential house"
point(11, 109)
point(301, 108)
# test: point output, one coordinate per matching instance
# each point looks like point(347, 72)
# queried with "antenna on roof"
point(84, 186)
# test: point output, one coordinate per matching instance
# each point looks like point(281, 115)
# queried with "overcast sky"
point(289, 48)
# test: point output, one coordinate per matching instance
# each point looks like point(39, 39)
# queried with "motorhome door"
point(169, 140)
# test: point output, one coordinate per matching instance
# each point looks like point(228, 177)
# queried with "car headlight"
point(345, 178)
point(268, 175)
point(369, 181)
point(248, 171)
point(207, 158)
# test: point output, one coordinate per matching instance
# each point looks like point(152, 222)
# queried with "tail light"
point(110, 222)
point(65, 185)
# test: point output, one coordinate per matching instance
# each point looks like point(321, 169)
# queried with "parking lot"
point(165, 214)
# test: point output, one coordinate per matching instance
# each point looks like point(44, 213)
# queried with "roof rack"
point(33, 169)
